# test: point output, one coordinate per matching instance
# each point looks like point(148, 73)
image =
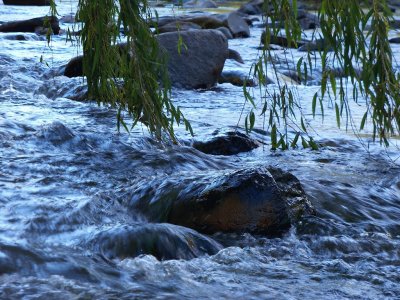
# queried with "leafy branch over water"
point(355, 36)
point(349, 43)
point(127, 77)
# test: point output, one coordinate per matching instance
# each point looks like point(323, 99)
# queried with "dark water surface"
point(64, 170)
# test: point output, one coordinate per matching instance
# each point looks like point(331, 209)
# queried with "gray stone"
point(237, 25)
point(201, 59)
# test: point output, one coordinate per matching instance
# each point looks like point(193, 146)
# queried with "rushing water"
point(64, 168)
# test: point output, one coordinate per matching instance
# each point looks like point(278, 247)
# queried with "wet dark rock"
point(59, 87)
point(394, 24)
point(178, 26)
point(293, 192)
point(307, 20)
point(253, 7)
point(200, 62)
point(206, 22)
point(247, 200)
point(280, 40)
point(200, 4)
point(161, 21)
point(395, 40)
point(31, 25)
point(27, 2)
point(237, 25)
point(309, 5)
point(164, 241)
point(226, 32)
point(236, 78)
point(233, 54)
point(230, 144)
point(74, 68)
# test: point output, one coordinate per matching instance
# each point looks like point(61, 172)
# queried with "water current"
point(64, 169)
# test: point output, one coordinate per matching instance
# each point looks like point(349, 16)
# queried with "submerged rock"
point(247, 200)
point(164, 241)
point(56, 133)
point(31, 25)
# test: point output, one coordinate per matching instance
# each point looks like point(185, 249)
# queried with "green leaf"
point(274, 141)
point(304, 143)
point(314, 104)
point(333, 82)
point(252, 120)
point(303, 126)
point(295, 140)
point(337, 115)
point(313, 144)
point(364, 118)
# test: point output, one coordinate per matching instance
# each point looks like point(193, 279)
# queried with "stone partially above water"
point(197, 65)
point(230, 144)
point(247, 200)
point(31, 25)
point(201, 59)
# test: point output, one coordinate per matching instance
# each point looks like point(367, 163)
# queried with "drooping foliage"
point(355, 35)
point(132, 77)
point(124, 66)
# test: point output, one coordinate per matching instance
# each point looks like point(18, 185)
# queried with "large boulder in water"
point(200, 60)
point(249, 200)
point(164, 241)
point(31, 25)
point(198, 64)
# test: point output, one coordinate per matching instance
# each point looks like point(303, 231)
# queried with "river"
point(64, 169)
